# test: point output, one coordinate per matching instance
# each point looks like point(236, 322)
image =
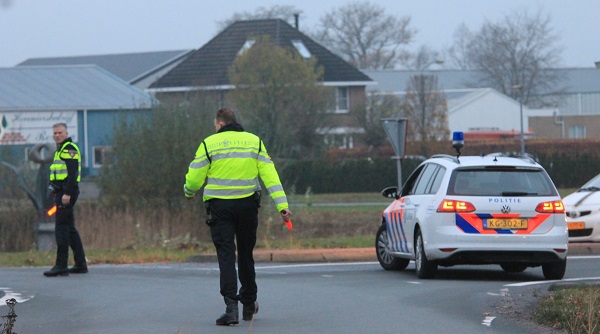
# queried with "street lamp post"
point(519, 88)
point(521, 116)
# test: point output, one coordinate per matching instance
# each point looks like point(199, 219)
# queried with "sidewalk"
point(352, 254)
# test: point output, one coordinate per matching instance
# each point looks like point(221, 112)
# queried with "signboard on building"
point(34, 127)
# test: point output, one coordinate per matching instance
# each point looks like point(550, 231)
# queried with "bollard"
point(45, 236)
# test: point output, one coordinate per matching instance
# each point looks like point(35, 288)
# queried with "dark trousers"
point(67, 235)
point(235, 220)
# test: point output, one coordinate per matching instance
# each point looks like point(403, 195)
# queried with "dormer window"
point(299, 45)
point(246, 46)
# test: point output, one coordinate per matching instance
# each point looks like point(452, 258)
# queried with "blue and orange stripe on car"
point(474, 223)
point(394, 226)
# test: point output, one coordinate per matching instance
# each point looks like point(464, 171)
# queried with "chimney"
point(296, 20)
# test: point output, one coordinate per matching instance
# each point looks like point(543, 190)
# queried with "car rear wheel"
point(513, 267)
point(554, 270)
point(386, 260)
point(424, 267)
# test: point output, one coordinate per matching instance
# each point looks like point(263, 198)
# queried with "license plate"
point(507, 224)
point(576, 226)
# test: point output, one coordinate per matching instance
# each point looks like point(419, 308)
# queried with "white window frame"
point(577, 132)
point(102, 150)
point(302, 50)
point(342, 141)
point(341, 100)
point(247, 45)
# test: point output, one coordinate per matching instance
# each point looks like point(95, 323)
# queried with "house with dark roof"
point(206, 69)
point(139, 68)
point(87, 98)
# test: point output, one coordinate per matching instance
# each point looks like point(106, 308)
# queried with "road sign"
point(395, 128)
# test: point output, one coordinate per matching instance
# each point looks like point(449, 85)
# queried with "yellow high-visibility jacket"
point(68, 151)
point(231, 163)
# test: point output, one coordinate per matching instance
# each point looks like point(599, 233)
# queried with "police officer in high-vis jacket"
point(231, 162)
point(65, 174)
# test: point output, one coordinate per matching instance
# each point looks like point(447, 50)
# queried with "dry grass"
point(572, 309)
point(182, 227)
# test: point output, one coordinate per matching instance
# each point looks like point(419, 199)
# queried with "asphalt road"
point(347, 297)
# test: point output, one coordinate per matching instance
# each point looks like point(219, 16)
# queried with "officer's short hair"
point(64, 125)
point(226, 116)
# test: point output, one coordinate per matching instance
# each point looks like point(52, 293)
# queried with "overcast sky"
point(53, 28)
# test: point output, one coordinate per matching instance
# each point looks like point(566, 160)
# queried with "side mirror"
point(390, 192)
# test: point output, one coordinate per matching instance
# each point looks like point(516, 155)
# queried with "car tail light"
point(551, 207)
point(449, 205)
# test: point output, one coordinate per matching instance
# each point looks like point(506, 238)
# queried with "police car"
point(583, 212)
point(490, 209)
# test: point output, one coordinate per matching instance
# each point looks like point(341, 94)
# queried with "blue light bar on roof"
point(458, 139)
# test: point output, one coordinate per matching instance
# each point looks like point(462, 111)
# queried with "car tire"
point(513, 267)
point(423, 267)
point(386, 260)
point(554, 270)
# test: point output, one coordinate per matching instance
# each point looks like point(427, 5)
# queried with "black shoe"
point(230, 317)
point(56, 272)
point(249, 311)
point(78, 270)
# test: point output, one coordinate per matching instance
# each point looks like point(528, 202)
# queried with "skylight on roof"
point(301, 48)
point(246, 46)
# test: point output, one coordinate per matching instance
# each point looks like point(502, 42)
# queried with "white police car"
point(583, 212)
point(489, 209)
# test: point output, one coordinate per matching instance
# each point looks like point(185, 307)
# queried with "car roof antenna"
point(458, 142)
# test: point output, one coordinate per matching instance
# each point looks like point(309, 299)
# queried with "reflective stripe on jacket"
point(58, 169)
point(235, 161)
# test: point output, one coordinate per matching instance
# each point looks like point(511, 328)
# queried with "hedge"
point(570, 163)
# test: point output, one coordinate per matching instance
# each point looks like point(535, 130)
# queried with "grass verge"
point(572, 309)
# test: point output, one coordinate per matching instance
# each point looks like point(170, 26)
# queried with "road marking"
point(503, 293)
point(488, 321)
point(316, 265)
point(555, 281)
point(8, 294)
point(583, 257)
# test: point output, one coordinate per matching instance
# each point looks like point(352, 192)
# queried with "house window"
point(246, 46)
point(577, 132)
point(339, 100)
point(339, 141)
point(301, 48)
point(100, 155)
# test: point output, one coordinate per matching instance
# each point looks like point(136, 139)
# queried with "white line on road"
point(315, 265)
point(8, 294)
point(488, 321)
point(555, 281)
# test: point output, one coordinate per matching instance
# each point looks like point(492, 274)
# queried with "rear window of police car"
point(488, 181)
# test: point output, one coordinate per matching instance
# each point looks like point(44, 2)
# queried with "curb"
point(350, 254)
point(584, 248)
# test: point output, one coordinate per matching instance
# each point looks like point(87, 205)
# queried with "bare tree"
point(379, 105)
point(283, 12)
point(457, 54)
point(365, 35)
point(423, 58)
point(426, 110)
point(517, 51)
